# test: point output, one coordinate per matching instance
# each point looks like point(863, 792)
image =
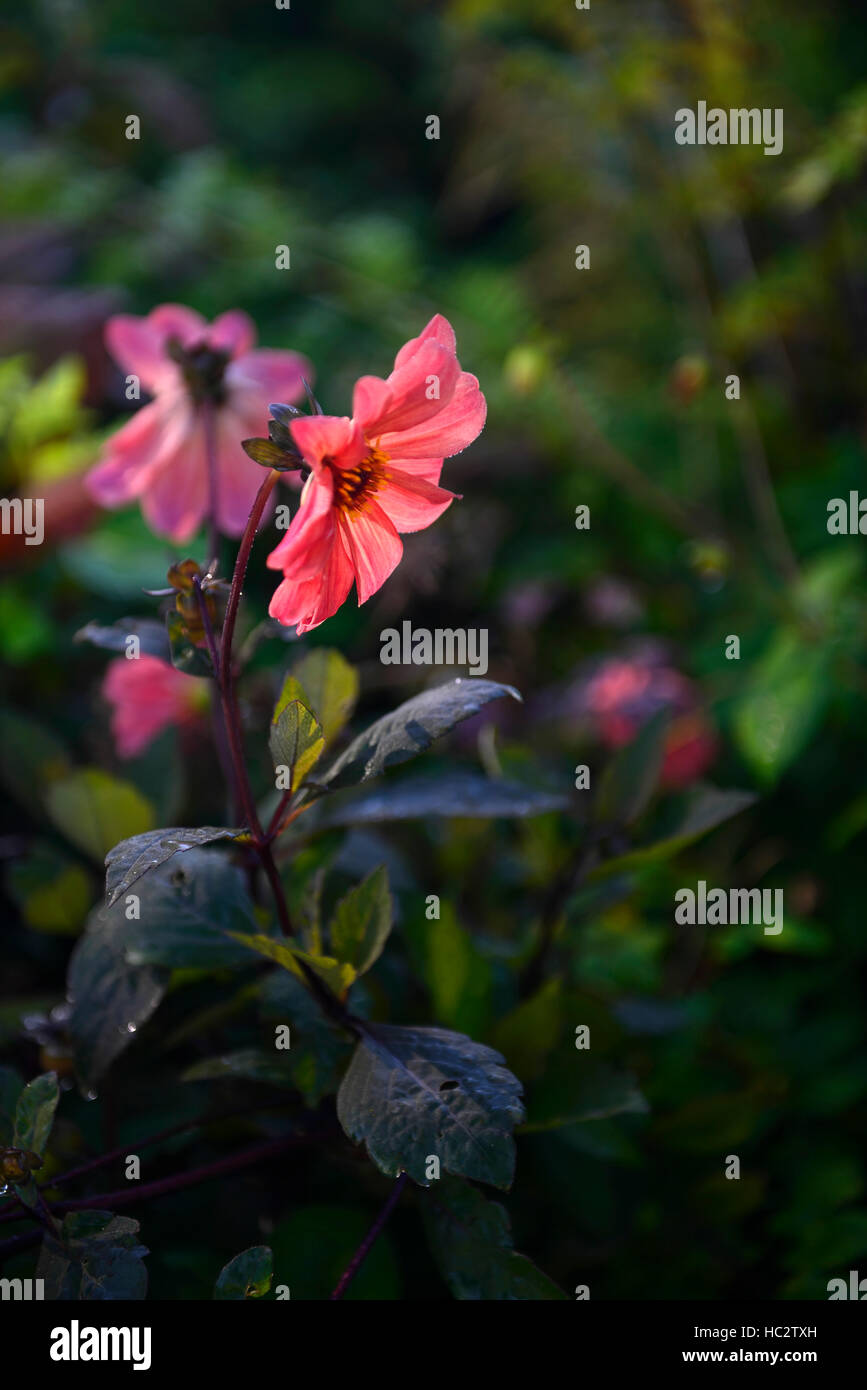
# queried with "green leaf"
point(471, 1241)
point(706, 808)
point(97, 1257)
point(32, 759)
point(269, 455)
point(248, 1275)
point(574, 1091)
point(34, 1113)
point(251, 1063)
point(188, 912)
point(631, 777)
point(128, 860)
point(458, 976)
point(320, 1051)
point(337, 975)
point(184, 654)
point(531, 1031)
point(296, 740)
point(118, 558)
point(413, 1093)
point(152, 636)
point(110, 998)
point(53, 892)
point(93, 810)
point(785, 700)
point(412, 728)
point(362, 921)
point(455, 794)
point(331, 688)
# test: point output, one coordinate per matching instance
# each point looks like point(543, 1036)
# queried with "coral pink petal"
point(333, 437)
point(371, 400)
point(114, 480)
point(458, 423)
point(147, 695)
point(138, 450)
point(177, 321)
point(306, 547)
point(429, 469)
point(418, 391)
point(271, 374)
point(308, 602)
point(373, 546)
point(233, 332)
point(175, 501)
point(412, 503)
point(238, 477)
point(138, 349)
point(439, 329)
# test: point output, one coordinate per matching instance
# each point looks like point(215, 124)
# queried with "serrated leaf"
point(129, 859)
point(152, 636)
point(110, 998)
point(707, 807)
point(295, 740)
point(632, 775)
point(97, 1257)
point(471, 1241)
point(411, 728)
point(34, 1113)
point(186, 909)
point(337, 975)
point(183, 653)
point(93, 810)
point(331, 688)
point(362, 921)
point(413, 1093)
point(455, 794)
point(248, 1275)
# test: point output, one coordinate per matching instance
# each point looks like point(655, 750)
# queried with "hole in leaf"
point(449, 1085)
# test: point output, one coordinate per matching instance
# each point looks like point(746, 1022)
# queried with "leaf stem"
point(366, 1245)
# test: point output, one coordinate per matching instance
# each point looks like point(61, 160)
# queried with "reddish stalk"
point(370, 1239)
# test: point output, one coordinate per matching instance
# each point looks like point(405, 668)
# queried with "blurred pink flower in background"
point(374, 475)
point(625, 693)
point(203, 378)
point(148, 695)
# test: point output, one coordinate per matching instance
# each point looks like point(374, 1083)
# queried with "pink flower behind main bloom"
point(373, 476)
point(148, 695)
point(625, 693)
point(160, 457)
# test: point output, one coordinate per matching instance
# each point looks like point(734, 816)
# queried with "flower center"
point(202, 368)
point(354, 487)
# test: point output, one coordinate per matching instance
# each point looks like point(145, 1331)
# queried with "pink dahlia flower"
point(624, 694)
point(373, 476)
point(148, 695)
point(196, 372)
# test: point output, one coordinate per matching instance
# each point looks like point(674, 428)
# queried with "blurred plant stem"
point(370, 1239)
